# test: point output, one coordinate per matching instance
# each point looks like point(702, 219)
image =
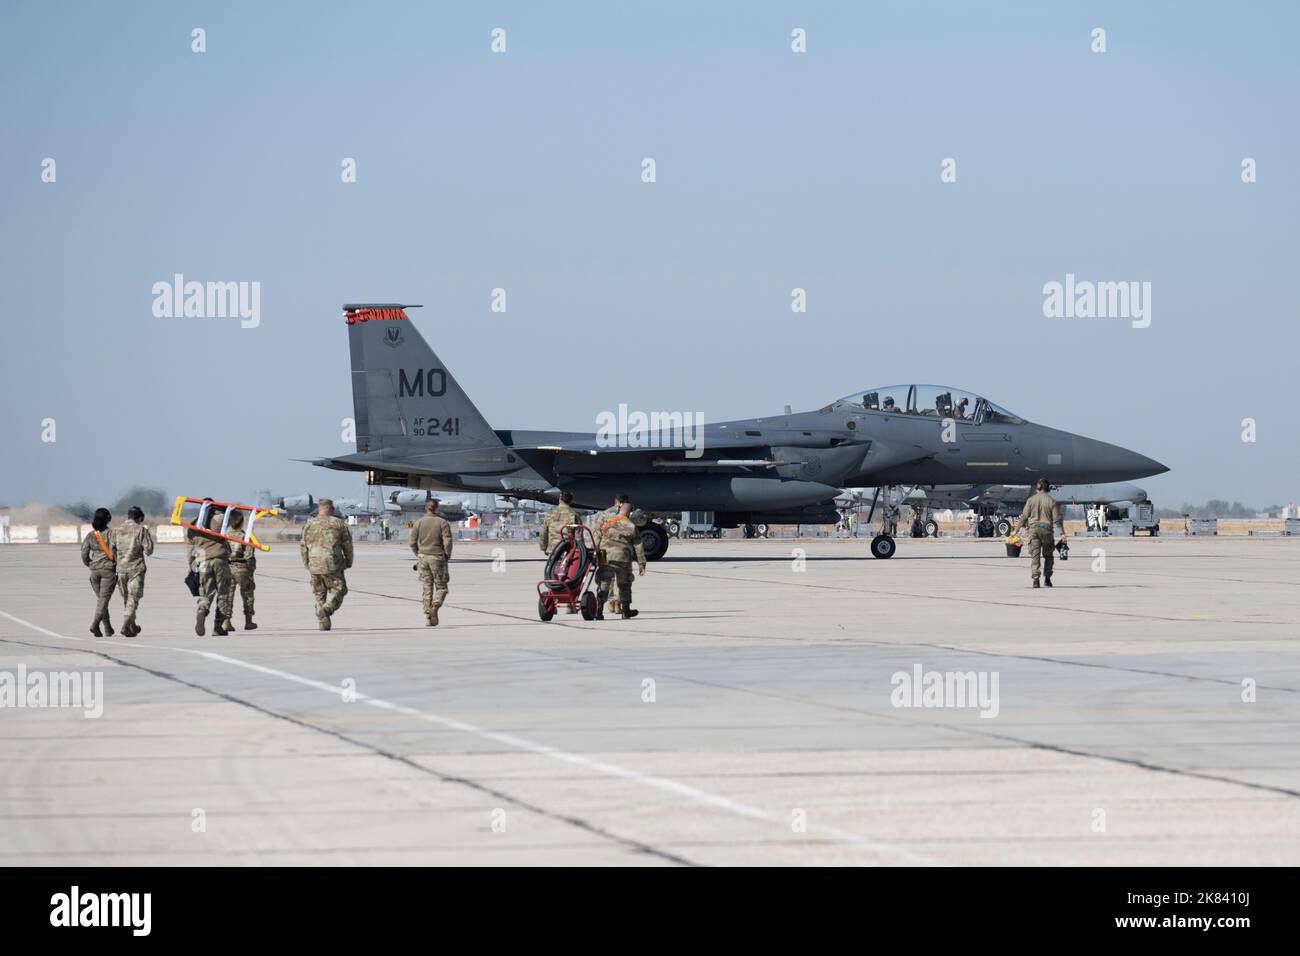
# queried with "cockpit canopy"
point(936, 401)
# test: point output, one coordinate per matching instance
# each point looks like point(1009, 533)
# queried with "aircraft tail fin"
point(402, 395)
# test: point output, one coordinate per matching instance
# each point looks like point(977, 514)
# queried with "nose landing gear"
point(882, 545)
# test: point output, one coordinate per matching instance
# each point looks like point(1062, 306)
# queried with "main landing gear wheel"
point(546, 610)
point(655, 541)
point(588, 607)
point(932, 529)
point(1004, 527)
point(882, 546)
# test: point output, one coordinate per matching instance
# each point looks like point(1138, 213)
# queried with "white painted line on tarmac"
point(663, 784)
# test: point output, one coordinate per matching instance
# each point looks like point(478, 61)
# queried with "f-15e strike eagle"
point(417, 428)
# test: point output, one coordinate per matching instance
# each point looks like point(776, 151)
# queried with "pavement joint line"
point(371, 748)
point(963, 600)
point(958, 728)
point(663, 784)
point(1133, 762)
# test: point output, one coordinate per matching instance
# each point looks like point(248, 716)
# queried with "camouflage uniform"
point(1041, 513)
point(103, 575)
point(243, 566)
point(598, 521)
point(431, 542)
point(620, 540)
point(326, 551)
point(553, 526)
point(133, 543)
point(215, 581)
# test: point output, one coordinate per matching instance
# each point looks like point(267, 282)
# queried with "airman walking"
point(1041, 514)
point(132, 543)
point(597, 522)
point(97, 554)
point(431, 541)
point(215, 583)
point(243, 567)
point(326, 550)
point(619, 544)
point(553, 525)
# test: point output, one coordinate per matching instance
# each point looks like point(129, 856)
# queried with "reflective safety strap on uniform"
point(100, 538)
point(613, 521)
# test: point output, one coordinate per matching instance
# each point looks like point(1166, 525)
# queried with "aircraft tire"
point(654, 538)
point(1004, 527)
point(932, 529)
point(882, 546)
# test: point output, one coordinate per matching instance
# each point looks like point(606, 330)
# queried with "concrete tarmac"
point(1144, 714)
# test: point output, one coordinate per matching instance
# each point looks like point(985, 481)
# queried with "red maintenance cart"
point(569, 572)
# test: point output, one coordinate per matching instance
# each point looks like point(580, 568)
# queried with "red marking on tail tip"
point(355, 316)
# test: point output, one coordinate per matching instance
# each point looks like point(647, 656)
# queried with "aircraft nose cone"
point(1104, 462)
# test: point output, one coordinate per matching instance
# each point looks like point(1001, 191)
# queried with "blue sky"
point(522, 171)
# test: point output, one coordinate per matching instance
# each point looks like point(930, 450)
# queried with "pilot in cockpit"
point(889, 405)
point(961, 409)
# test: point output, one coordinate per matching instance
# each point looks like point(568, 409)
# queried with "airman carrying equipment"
point(204, 515)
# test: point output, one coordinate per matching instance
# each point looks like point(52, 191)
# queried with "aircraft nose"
point(1105, 462)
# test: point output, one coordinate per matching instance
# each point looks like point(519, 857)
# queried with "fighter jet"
point(417, 428)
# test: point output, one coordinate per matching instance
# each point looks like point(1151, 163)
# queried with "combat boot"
point(613, 607)
point(108, 626)
point(1047, 579)
point(1036, 584)
point(322, 619)
point(94, 628)
point(629, 613)
point(433, 616)
point(200, 622)
point(248, 623)
point(128, 628)
point(218, 628)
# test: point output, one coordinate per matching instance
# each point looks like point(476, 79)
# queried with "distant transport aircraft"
point(397, 504)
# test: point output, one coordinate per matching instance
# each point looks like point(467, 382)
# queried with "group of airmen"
point(116, 559)
point(617, 533)
point(219, 566)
